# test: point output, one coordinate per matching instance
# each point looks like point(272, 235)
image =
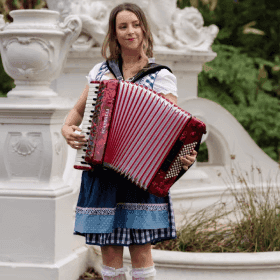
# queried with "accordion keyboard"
point(80, 162)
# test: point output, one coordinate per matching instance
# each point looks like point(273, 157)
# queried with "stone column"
point(36, 205)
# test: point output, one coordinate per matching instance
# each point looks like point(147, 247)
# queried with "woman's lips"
point(131, 39)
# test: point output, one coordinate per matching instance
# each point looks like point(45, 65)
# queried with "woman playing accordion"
point(111, 211)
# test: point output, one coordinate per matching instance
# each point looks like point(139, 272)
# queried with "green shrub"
point(233, 80)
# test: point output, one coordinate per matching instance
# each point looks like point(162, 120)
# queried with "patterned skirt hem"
point(153, 242)
point(142, 241)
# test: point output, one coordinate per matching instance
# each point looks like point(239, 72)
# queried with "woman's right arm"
point(72, 122)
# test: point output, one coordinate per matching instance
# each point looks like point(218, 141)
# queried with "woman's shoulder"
point(97, 66)
point(94, 71)
point(166, 73)
point(165, 82)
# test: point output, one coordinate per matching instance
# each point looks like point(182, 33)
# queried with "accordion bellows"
point(138, 133)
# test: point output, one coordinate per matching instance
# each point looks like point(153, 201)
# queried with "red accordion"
point(138, 133)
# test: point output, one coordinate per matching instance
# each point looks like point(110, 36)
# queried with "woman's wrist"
point(64, 126)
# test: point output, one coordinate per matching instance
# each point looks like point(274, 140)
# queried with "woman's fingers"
point(74, 127)
point(185, 167)
point(77, 145)
point(188, 160)
point(76, 137)
point(73, 139)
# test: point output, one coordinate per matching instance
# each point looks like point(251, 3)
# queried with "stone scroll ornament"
point(172, 28)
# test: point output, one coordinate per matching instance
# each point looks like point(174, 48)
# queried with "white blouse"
point(165, 81)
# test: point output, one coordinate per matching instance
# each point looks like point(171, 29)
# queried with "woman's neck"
point(132, 63)
point(129, 57)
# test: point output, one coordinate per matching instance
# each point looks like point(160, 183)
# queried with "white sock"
point(143, 272)
point(109, 272)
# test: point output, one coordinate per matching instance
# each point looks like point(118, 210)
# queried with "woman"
point(112, 212)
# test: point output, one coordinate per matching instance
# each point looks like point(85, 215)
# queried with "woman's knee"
point(112, 250)
point(141, 255)
point(112, 254)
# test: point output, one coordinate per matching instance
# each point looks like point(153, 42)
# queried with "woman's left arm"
point(188, 159)
point(166, 84)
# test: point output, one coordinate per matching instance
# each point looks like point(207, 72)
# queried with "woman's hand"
point(73, 139)
point(188, 160)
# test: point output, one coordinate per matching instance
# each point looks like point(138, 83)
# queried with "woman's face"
point(128, 30)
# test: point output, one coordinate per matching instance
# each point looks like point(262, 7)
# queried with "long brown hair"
point(111, 41)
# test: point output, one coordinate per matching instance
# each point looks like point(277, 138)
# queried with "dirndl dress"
point(113, 211)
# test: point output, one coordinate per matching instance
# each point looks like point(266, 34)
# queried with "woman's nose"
point(130, 29)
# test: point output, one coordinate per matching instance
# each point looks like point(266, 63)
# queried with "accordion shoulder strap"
point(149, 69)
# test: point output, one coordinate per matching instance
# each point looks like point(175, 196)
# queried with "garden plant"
point(254, 228)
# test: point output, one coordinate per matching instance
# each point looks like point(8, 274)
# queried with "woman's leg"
point(142, 262)
point(141, 255)
point(112, 255)
point(112, 267)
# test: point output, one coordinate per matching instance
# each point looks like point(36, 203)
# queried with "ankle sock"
point(110, 272)
point(143, 272)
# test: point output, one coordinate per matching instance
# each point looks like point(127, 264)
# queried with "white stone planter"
point(207, 266)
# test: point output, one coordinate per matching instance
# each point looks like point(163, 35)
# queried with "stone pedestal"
point(36, 205)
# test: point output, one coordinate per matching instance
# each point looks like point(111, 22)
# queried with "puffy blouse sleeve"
point(165, 83)
point(93, 72)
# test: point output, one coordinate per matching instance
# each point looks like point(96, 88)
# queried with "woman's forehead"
point(126, 16)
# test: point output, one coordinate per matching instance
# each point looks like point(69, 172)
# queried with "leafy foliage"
point(242, 23)
point(6, 82)
point(244, 77)
point(233, 80)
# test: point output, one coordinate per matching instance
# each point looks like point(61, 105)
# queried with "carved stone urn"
point(34, 48)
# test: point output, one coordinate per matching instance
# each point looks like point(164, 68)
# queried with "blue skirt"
point(113, 211)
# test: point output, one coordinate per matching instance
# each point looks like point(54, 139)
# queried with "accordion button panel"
point(80, 162)
point(176, 166)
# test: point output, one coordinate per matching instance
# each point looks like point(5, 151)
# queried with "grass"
point(257, 219)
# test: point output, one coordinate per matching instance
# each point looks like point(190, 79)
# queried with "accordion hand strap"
point(113, 66)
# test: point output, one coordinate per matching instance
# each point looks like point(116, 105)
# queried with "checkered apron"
point(112, 211)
